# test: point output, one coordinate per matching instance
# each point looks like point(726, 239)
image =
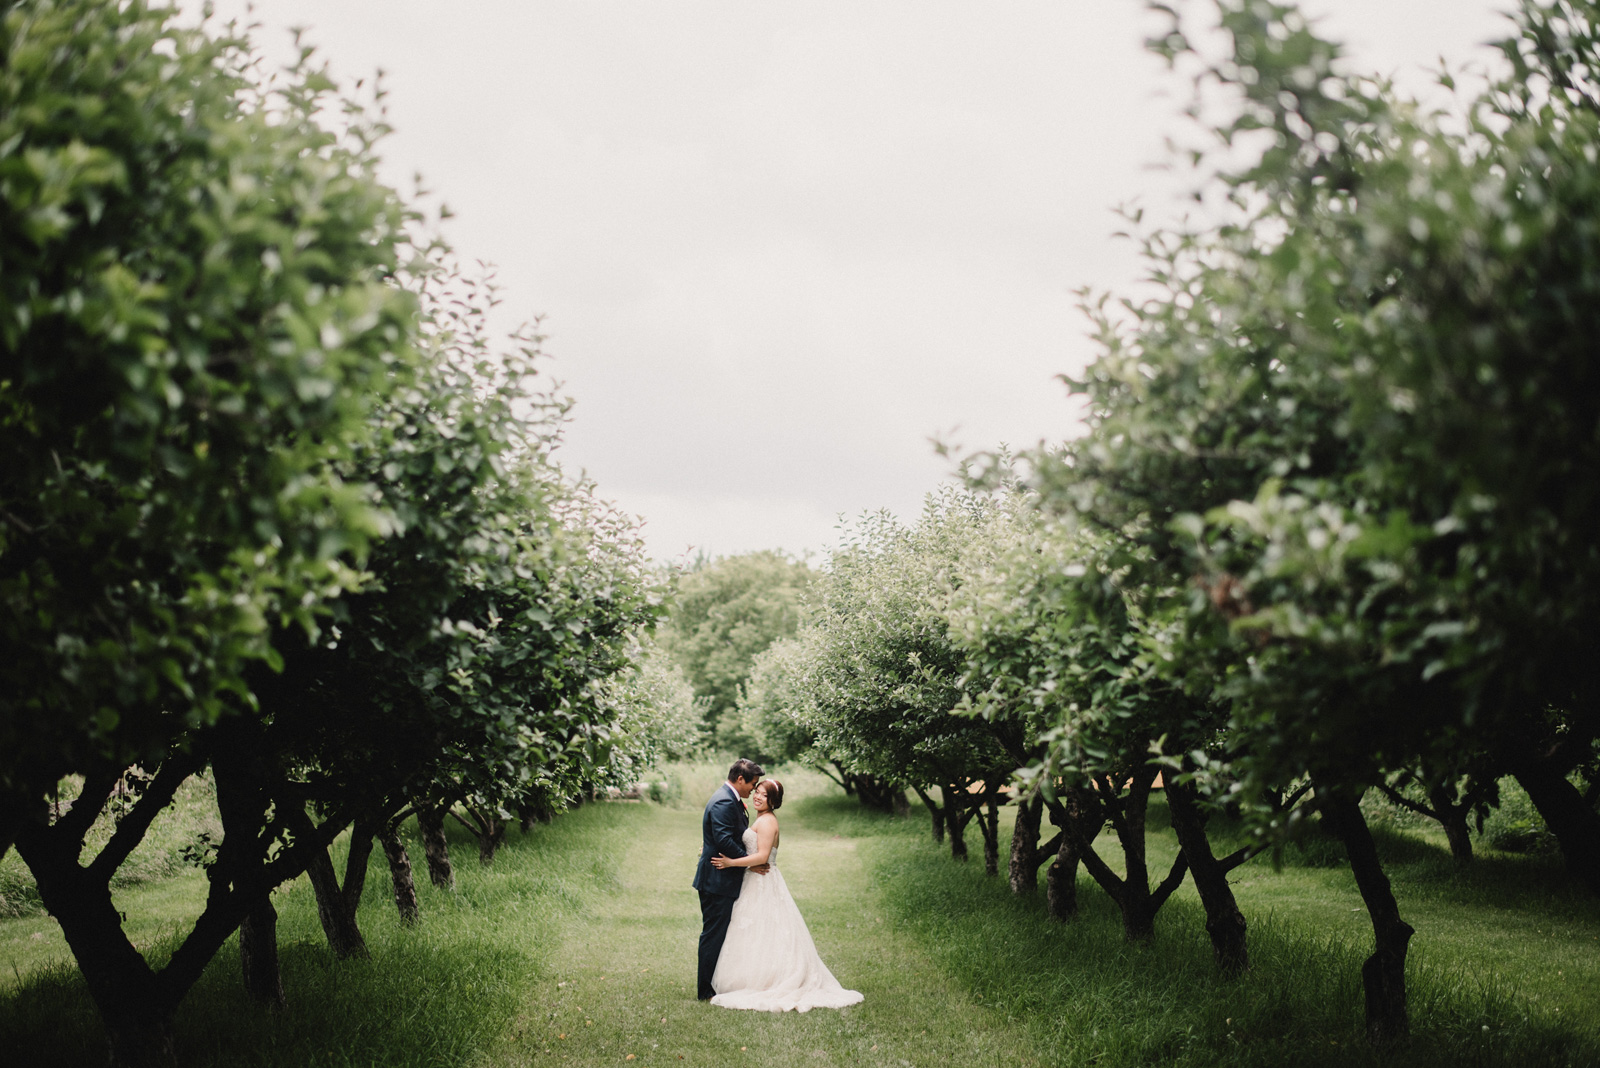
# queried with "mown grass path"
point(577, 947)
point(622, 982)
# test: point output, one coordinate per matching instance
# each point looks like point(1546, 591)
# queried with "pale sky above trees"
point(780, 247)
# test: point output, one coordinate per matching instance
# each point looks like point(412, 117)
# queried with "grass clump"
point(1090, 998)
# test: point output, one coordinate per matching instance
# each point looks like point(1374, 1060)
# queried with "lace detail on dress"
point(769, 961)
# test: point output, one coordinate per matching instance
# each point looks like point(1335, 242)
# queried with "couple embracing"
point(755, 949)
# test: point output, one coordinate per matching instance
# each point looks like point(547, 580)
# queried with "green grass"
point(177, 833)
point(577, 947)
point(1502, 971)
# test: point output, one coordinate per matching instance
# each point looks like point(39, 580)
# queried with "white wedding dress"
point(769, 961)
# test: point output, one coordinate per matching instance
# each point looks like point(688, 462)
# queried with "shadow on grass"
point(834, 813)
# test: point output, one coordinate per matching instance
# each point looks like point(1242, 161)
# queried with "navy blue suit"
point(721, 831)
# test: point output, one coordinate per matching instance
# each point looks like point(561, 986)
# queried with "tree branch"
point(1174, 879)
point(131, 829)
point(87, 806)
point(1405, 802)
point(1109, 881)
point(1239, 856)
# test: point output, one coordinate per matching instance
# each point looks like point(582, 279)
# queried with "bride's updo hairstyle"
point(774, 791)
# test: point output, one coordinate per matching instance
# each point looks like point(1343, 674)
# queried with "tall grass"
point(1093, 999)
point(577, 947)
point(437, 994)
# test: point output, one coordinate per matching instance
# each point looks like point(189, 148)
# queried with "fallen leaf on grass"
point(629, 1057)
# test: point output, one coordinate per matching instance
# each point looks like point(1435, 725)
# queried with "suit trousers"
point(715, 912)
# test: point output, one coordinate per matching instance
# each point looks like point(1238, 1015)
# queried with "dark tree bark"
point(1078, 817)
point(537, 810)
point(136, 1015)
point(486, 826)
point(958, 810)
point(1446, 806)
point(1132, 895)
point(935, 811)
point(901, 803)
point(1023, 871)
point(1225, 924)
point(879, 794)
point(989, 824)
point(1459, 835)
point(258, 955)
point(137, 1003)
point(1061, 881)
point(1383, 975)
point(430, 824)
point(336, 905)
point(1570, 818)
point(405, 887)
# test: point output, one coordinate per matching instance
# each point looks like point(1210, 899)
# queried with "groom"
point(722, 831)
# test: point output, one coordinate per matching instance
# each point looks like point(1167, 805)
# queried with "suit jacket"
point(721, 831)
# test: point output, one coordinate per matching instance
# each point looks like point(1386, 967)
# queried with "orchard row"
point(1334, 525)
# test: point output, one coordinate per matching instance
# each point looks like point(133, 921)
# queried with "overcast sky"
point(778, 247)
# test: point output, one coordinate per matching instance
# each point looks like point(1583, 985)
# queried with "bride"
point(769, 961)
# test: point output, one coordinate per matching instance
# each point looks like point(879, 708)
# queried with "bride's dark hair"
point(774, 791)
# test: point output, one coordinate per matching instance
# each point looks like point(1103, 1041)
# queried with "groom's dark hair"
point(748, 770)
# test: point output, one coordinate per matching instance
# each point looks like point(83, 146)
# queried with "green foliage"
point(724, 613)
point(1515, 826)
point(195, 314)
point(268, 463)
point(775, 703)
point(879, 667)
point(657, 721)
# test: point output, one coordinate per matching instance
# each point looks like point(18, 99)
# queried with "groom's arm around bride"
point(722, 828)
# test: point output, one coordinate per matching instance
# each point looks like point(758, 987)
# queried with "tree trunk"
point(902, 804)
point(258, 955)
point(1061, 881)
point(1224, 922)
point(405, 887)
point(935, 812)
point(1383, 975)
point(136, 1016)
point(879, 795)
point(1132, 895)
point(336, 905)
point(1138, 918)
point(1459, 835)
point(956, 816)
point(1570, 818)
point(1079, 819)
point(430, 823)
point(989, 824)
point(1023, 872)
point(494, 832)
